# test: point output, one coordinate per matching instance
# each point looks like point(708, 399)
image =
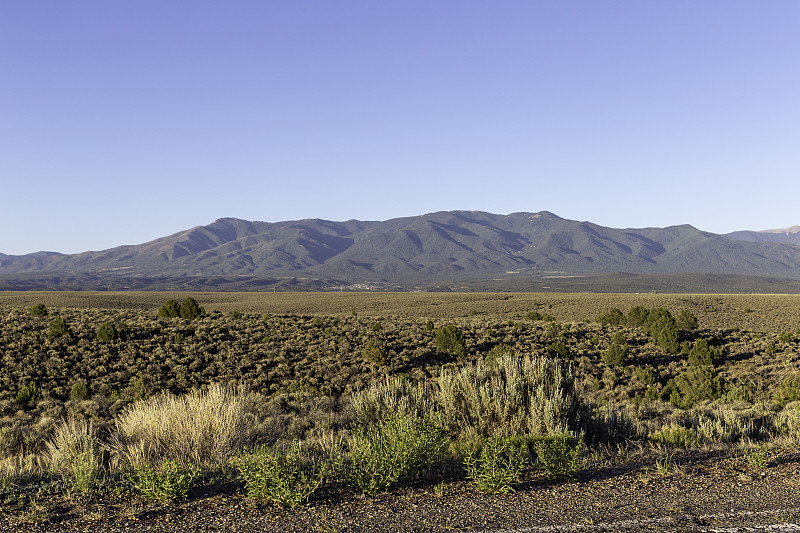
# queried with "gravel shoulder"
point(696, 491)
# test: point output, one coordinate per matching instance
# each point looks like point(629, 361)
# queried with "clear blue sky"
point(121, 122)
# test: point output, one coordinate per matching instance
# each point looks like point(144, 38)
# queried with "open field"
point(315, 367)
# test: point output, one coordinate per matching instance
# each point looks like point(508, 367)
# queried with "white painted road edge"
point(634, 524)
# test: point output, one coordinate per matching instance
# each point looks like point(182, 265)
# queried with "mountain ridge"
point(438, 247)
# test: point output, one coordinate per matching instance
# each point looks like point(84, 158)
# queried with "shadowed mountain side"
point(414, 251)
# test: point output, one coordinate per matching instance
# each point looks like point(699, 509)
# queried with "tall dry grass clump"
point(203, 427)
point(76, 453)
point(532, 395)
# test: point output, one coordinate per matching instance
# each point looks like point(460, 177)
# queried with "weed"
point(497, 467)
point(281, 474)
point(171, 482)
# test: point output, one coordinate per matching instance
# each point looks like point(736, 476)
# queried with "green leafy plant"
point(375, 352)
point(615, 354)
point(107, 332)
point(449, 339)
point(676, 436)
point(170, 482)
point(497, 467)
point(757, 457)
point(28, 394)
point(58, 327)
point(79, 392)
point(686, 320)
point(39, 310)
point(559, 455)
point(376, 457)
point(613, 316)
point(281, 474)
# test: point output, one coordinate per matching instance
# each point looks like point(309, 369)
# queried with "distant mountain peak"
point(785, 231)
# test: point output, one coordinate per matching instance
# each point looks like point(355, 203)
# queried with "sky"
point(122, 122)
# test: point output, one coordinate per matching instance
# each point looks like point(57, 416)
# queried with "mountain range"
point(448, 249)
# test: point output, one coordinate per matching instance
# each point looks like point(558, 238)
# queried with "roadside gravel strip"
point(701, 491)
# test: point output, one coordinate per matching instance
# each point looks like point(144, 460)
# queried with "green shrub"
point(497, 467)
point(28, 394)
point(615, 354)
point(449, 339)
point(170, 482)
point(39, 310)
point(235, 315)
point(430, 326)
point(79, 392)
point(498, 351)
point(613, 317)
point(693, 385)
point(645, 375)
point(686, 320)
point(676, 436)
point(281, 474)
point(107, 332)
point(375, 352)
point(701, 354)
point(377, 327)
point(58, 327)
point(170, 309)
point(785, 337)
point(789, 391)
point(190, 309)
point(558, 349)
point(533, 315)
point(559, 455)
point(376, 457)
point(638, 316)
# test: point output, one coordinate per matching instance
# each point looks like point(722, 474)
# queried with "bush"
point(39, 310)
point(170, 309)
point(449, 339)
point(498, 351)
point(28, 394)
point(558, 349)
point(75, 452)
point(497, 467)
point(107, 332)
point(701, 354)
point(170, 482)
point(637, 316)
point(58, 327)
point(662, 327)
point(281, 474)
point(693, 385)
point(190, 309)
point(375, 352)
point(789, 391)
point(616, 354)
point(515, 396)
point(686, 320)
point(376, 457)
point(559, 455)
point(384, 400)
point(79, 392)
point(430, 326)
point(676, 436)
point(202, 427)
point(613, 317)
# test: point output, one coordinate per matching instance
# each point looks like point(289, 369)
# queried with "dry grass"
point(200, 428)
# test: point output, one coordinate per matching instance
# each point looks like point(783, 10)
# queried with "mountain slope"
point(432, 248)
